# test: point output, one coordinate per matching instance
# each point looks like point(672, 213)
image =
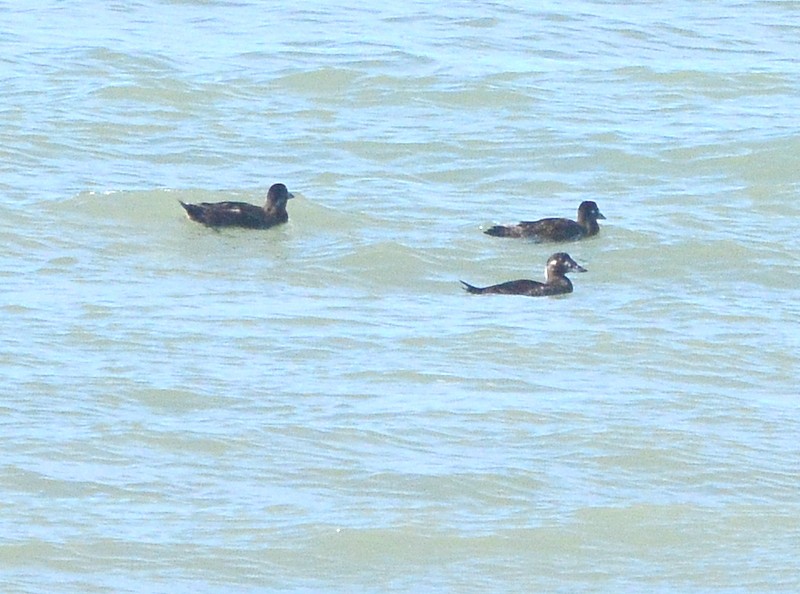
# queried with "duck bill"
point(578, 268)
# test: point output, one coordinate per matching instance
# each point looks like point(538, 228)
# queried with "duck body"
point(243, 214)
point(556, 282)
point(555, 229)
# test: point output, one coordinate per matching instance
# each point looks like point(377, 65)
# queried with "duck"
point(242, 214)
point(555, 229)
point(556, 283)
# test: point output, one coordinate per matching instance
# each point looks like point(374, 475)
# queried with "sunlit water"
point(320, 407)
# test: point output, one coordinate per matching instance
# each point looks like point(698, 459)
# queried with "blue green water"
point(320, 407)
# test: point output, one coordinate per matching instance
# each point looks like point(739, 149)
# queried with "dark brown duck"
point(556, 283)
point(555, 229)
point(242, 214)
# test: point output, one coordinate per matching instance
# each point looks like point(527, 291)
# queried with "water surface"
point(320, 407)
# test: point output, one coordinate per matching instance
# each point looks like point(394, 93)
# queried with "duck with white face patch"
point(556, 283)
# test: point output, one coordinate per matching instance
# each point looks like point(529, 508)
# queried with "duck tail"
point(498, 231)
point(193, 211)
point(470, 288)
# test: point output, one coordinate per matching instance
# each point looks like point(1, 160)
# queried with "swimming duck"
point(242, 214)
point(555, 284)
point(555, 229)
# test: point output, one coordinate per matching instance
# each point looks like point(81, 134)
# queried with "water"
point(320, 407)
